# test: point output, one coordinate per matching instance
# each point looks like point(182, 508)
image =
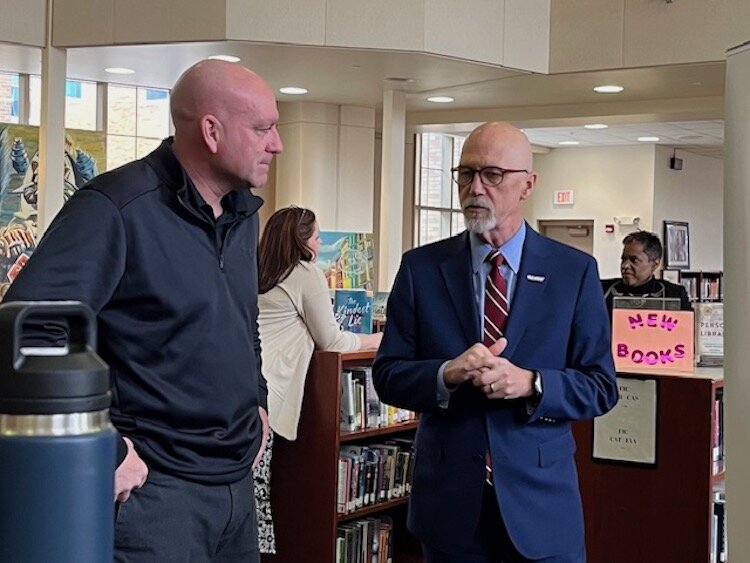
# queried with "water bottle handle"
point(79, 316)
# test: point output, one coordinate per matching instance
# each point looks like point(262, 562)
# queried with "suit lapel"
point(534, 276)
point(457, 275)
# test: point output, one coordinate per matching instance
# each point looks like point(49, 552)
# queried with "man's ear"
point(211, 132)
point(529, 185)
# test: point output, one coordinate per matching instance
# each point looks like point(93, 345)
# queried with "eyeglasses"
point(489, 175)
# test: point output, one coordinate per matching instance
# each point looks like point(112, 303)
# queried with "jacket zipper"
point(224, 242)
point(218, 248)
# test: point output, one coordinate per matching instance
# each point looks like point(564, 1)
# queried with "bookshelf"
point(304, 472)
point(664, 512)
point(702, 286)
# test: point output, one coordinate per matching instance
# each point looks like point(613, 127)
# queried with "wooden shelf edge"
point(380, 431)
point(372, 509)
point(359, 355)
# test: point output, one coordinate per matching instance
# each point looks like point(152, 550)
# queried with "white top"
point(296, 317)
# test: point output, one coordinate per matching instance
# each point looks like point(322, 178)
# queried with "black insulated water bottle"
point(57, 445)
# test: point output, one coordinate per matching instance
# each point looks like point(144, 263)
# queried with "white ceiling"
point(702, 137)
point(676, 103)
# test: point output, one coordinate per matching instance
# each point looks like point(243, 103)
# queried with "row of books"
point(717, 433)
point(719, 528)
point(356, 309)
point(374, 473)
point(703, 289)
point(360, 406)
point(369, 540)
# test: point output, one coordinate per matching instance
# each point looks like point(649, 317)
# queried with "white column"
point(390, 226)
point(51, 131)
point(737, 297)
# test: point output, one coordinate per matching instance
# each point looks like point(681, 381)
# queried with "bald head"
point(503, 140)
point(226, 134)
point(493, 209)
point(214, 87)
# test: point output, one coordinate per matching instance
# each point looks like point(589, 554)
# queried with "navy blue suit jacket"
point(557, 325)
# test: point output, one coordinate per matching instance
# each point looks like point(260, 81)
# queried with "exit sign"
point(563, 197)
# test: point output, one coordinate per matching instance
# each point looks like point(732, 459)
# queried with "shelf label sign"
point(650, 340)
point(627, 433)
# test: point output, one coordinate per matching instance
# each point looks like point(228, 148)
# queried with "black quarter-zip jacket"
point(175, 293)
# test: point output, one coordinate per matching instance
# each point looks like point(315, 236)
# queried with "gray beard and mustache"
point(479, 225)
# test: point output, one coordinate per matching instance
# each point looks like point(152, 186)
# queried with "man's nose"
point(476, 187)
point(276, 145)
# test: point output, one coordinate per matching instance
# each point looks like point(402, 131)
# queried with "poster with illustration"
point(19, 173)
point(347, 260)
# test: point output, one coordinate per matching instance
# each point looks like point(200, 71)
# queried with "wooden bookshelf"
point(304, 472)
point(702, 286)
point(661, 513)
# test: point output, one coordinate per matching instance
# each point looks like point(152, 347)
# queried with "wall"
point(327, 163)
point(634, 181)
point(606, 181)
point(598, 34)
point(500, 30)
point(694, 194)
point(23, 22)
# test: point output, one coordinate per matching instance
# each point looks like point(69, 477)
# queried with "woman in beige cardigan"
point(295, 318)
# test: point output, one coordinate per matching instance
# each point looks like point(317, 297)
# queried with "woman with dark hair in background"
point(296, 317)
point(641, 256)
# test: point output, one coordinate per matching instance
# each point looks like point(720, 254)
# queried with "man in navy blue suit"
point(494, 475)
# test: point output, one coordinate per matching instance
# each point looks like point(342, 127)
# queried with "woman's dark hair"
point(650, 242)
point(284, 245)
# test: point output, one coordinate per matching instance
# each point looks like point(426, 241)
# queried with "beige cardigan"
point(296, 317)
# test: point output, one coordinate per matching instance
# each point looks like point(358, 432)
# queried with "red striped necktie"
point(495, 318)
point(495, 301)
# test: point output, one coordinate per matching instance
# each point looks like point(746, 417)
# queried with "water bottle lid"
point(49, 379)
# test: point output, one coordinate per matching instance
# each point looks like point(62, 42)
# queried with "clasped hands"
point(497, 377)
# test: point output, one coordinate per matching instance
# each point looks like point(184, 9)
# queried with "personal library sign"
point(646, 340)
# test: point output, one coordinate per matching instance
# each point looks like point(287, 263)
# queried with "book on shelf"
point(709, 334)
point(717, 433)
point(373, 473)
point(719, 529)
point(372, 404)
point(379, 305)
point(367, 540)
point(691, 287)
point(348, 415)
point(353, 310)
point(361, 408)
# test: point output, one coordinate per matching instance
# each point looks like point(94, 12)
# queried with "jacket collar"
point(240, 203)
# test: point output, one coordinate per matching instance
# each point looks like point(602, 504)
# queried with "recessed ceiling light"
point(596, 126)
point(119, 70)
point(227, 58)
point(293, 90)
point(570, 143)
point(441, 99)
point(608, 89)
point(648, 139)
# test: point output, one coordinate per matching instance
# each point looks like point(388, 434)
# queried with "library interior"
point(637, 116)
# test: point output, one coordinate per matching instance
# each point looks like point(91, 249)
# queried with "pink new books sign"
point(647, 340)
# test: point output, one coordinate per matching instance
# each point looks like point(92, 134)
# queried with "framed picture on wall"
point(676, 245)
